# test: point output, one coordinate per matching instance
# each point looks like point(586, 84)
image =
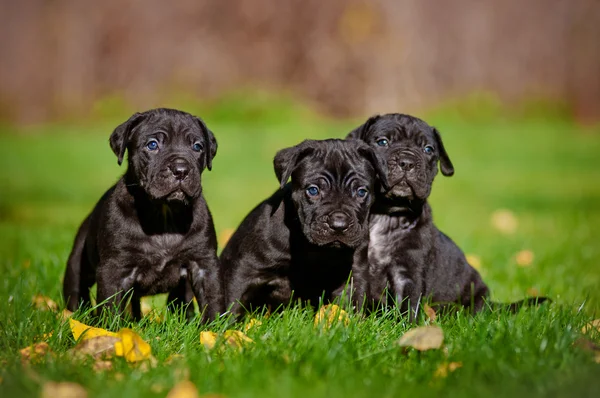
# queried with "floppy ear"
point(360, 132)
point(378, 164)
point(445, 163)
point(122, 134)
point(211, 142)
point(285, 160)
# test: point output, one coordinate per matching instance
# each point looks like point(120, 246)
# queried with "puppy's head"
point(332, 188)
point(411, 149)
point(168, 150)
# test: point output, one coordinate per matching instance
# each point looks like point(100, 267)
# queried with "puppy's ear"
point(122, 135)
point(287, 159)
point(378, 164)
point(360, 133)
point(210, 142)
point(445, 163)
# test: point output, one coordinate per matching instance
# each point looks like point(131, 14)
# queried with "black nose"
point(180, 169)
point(406, 164)
point(338, 221)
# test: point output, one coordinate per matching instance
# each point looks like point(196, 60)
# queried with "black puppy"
point(408, 256)
point(152, 231)
point(304, 240)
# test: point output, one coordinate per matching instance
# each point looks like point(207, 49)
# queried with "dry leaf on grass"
point(446, 368)
point(589, 346)
point(429, 312)
point(233, 338)
point(533, 292)
point(504, 221)
point(35, 353)
point(102, 365)
point(524, 258)
point(83, 331)
point(44, 303)
point(330, 314)
point(184, 389)
point(474, 261)
point(97, 347)
point(63, 390)
point(252, 323)
point(132, 346)
point(423, 338)
point(593, 325)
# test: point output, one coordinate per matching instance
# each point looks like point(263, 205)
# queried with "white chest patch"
point(379, 250)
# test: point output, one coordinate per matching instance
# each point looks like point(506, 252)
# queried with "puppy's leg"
point(180, 296)
point(205, 280)
point(113, 287)
point(79, 275)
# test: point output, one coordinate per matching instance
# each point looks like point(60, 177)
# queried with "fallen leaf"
point(593, 325)
point(474, 261)
point(102, 365)
point(96, 347)
point(65, 314)
point(430, 312)
point(63, 389)
point(83, 331)
point(533, 292)
point(208, 339)
point(132, 346)
point(252, 323)
point(173, 358)
point(330, 314)
point(225, 235)
point(34, 353)
point(445, 368)
point(524, 258)
point(504, 221)
point(44, 303)
point(233, 338)
point(423, 338)
point(184, 389)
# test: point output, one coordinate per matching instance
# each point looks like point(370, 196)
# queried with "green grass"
point(544, 170)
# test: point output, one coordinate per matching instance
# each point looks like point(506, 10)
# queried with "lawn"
point(544, 171)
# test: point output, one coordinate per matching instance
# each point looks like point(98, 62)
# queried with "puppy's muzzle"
point(338, 221)
point(180, 169)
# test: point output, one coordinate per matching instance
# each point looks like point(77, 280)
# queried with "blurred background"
point(62, 58)
point(513, 86)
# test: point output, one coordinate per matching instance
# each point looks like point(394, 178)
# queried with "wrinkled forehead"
point(337, 165)
point(401, 129)
point(168, 125)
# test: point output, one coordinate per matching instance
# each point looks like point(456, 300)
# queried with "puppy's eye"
point(362, 192)
point(428, 149)
point(197, 147)
point(312, 190)
point(152, 145)
point(382, 142)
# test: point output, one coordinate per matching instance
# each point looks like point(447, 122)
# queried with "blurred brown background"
point(58, 57)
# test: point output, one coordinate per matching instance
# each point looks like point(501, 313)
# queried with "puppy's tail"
point(516, 306)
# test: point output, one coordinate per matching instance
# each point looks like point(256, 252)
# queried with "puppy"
point(303, 241)
point(409, 258)
point(152, 231)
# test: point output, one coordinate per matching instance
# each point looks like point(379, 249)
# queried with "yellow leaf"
point(83, 331)
point(504, 221)
point(208, 339)
point(330, 314)
point(184, 389)
point(44, 303)
point(423, 338)
point(524, 258)
point(237, 339)
point(474, 261)
point(252, 323)
point(35, 352)
point(63, 390)
point(593, 325)
point(131, 346)
point(445, 368)
point(430, 312)
point(102, 365)
point(96, 347)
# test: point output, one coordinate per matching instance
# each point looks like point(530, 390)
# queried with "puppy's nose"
point(180, 169)
point(406, 164)
point(338, 221)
